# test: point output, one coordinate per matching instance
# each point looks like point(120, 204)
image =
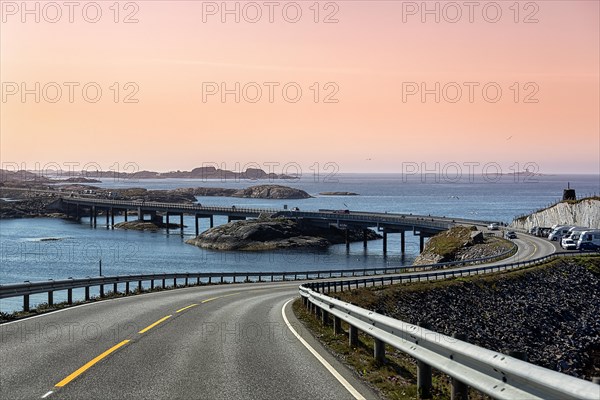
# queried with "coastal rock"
point(271, 192)
point(152, 226)
point(584, 212)
point(273, 233)
point(338, 194)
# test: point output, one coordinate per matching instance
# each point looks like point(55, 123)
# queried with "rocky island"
point(274, 233)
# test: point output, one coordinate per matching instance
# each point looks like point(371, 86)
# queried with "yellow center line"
point(146, 329)
point(218, 297)
point(90, 364)
point(185, 308)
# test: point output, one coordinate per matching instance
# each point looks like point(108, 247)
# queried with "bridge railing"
point(495, 374)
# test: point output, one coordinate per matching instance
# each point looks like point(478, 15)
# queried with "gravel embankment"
point(549, 312)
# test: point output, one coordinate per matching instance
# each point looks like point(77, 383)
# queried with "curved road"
point(208, 342)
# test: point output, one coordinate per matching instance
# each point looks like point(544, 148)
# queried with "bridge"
point(386, 223)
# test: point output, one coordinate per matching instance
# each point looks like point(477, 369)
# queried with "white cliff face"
point(583, 213)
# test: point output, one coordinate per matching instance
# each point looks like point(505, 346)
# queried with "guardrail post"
point(325, 318)
point(379, 351)
point(459, 390)
point(352, 335)
point(337, 325)
point(26, 302)
point(424, 374)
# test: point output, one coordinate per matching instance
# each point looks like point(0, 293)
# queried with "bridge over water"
point(386, 223)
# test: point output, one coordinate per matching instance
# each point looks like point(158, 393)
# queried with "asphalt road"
point(210, 342)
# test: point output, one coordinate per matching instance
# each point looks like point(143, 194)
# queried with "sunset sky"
point(370, 61)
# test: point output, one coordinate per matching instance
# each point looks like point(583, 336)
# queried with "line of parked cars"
point(571, 237)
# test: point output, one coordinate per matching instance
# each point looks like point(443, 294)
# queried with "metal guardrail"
point(490, 372)
point(27, 288)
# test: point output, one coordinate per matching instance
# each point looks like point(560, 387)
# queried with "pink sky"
point(368, 57)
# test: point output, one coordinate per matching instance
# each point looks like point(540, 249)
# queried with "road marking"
point(146, 329)
point(185, 308)
point(328, 366)
point(47, 394)
point(218, 297)
point(90, 364)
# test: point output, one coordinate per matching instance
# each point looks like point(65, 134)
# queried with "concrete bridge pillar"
point(347, 234)
point(94, 216)
point(196, 224)
point(211, 221)
point(112, 218)
point(365, 238)
point(125, 212)
point(181, 222)
point(168, 214)
point(140, 214)
point(421, 242)
point(403, 241)
point(384, 242)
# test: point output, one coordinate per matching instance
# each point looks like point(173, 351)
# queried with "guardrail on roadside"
point(26, 289)
point(495, 374)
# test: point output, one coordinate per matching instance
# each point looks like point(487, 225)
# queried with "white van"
point(575, 232)
point(559, 232)
point(592, 237)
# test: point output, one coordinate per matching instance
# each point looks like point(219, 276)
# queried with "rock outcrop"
point(584, 212)
point(273, 233)
point(461, 243)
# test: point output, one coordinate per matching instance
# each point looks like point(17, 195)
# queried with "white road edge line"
point(47, 394)
point(328, 366)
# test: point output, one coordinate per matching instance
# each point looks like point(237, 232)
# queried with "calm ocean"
point(76, 253)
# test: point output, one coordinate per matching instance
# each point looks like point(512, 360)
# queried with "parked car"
point(559, 232)
point(511, 235)
point(589, 246)
point(493, 226)
point(591, 236)
point(568, 244)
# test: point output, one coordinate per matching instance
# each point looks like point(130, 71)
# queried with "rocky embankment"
point(28, 208)
point(549, 312)
point(461, 243)
point(584, 212)
point(273, 233)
